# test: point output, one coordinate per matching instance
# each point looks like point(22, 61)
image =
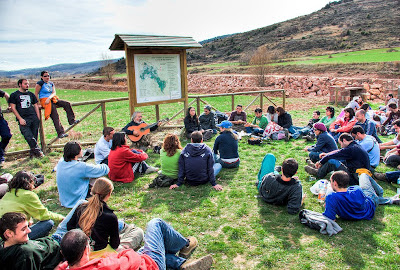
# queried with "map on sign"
point(158, 77)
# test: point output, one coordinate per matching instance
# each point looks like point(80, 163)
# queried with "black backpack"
point(220, 116)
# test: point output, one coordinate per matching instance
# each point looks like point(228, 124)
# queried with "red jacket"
point(346, 125)
point(120, 163)
point(125, 260)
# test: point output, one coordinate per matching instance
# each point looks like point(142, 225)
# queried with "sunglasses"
point(46, 76)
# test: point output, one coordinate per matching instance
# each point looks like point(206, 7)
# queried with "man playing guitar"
point(136, 120)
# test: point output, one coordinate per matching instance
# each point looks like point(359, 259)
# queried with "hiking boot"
point(310, 170)
point(380, 176)
point(151, 169)
point(62, 135)
point(76, 122)
point(396, 199)
point(186, 251)
point(204, 263)
point(286, 134)
point(310, 163)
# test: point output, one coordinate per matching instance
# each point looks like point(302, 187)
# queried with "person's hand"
point(322, 155)
point(122, 247)
point(334, 130)
point(22, 122)
point(306, 149)
point(135, 133)
point(217, 187)
point(47, 101)
point(173, 186)
point(318, 165)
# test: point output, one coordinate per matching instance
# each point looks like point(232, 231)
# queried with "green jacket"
point(262, 121)
point(327, 122)
point(26, 202)
point(43, 253)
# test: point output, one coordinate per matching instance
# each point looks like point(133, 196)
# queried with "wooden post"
point(41, 132)
point(283, 98)
point(104, 114)
point(261, 100)
point(157, 113)
point(336, 96)
point(198, 106)
point(233, 102)
point(184, 80)
point(130, 75)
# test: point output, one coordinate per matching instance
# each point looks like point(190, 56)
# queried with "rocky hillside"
point(340, 26)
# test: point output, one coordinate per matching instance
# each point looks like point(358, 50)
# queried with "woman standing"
point(45, 92)
point(20, 198)
point(226, 145)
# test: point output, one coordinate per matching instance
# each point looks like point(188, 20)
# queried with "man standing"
point(368, 126)
point(103, 146)
point(18, 252)
point(5, 132)
point(369, 144)
point(25, 107)
point(238, 118)
point(350, 158)
point(196, 164)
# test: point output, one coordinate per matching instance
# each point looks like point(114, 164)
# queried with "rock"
point(375, 92)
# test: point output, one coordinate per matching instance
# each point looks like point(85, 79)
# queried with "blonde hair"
point(94, 207)
point(233, 134)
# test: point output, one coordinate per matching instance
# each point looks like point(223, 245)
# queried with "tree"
point(108, 68)
point(260, 60)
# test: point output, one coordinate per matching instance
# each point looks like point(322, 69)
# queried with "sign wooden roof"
point(146, 41)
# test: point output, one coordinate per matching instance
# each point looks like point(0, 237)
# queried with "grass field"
point(236, 227)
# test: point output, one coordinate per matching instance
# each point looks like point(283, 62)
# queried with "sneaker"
point(286, 134)
point(310, 163)
point(76, 122)
point(204, 263)
point(151, 169)
point(310, 170)
point(278, 168)
point(380, 176)
point(63, 135)
point(187, 250)
point(396, 199)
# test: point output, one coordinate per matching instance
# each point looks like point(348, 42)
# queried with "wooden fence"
point(102, 104)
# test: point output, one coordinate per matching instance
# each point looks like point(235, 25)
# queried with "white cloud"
point(41, 33)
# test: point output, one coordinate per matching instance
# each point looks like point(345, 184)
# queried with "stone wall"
point(296, 86)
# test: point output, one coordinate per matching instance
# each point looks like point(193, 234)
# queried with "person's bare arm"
point(37, 90)
point(21, 120)
point(36, 106)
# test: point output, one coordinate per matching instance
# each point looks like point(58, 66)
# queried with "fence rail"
point(101, 103)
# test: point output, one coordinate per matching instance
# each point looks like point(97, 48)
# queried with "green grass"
point(236, 227)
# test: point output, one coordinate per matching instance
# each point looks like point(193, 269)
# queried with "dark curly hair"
point(22, 180)
point(171, 144)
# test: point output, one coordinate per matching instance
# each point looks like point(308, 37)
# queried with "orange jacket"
point(47, 107)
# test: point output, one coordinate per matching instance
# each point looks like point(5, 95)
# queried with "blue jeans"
point(5, 134)
point(40, 229)
point(294, 132)
point(255, 131)
point(217, 159)
point(303, 130)
point(161, 243)
point(314, 156)
point(217, 168)
point(372, 190)
point(392, 176)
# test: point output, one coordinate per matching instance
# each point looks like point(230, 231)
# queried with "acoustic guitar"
point(142, 130)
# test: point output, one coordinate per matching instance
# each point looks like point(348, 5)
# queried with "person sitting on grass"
point(226, 145)
point(196, 164)
point(125, 162)
point(20, 198)
point(349, 159)
point(103, 146)
point(283, 189)
point(389, 177)
point(17, 251)
point(368, 126)
point(161, 244)
point(272, 115)
point(342, 125)
point(329, 117)
point(354, 202)
point(238, 118)
point(394, 114)
point(207, 120)
point(169, 159)
point(259, 123)
point(73, 176)
point(285, 121)
point(191, 122)
point(100, 223)
point(325, 143)
point(369, 144)
point(306, 131)
point(392, 143)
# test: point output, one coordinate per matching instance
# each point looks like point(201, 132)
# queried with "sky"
point(47, 32)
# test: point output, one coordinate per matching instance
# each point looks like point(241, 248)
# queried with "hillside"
point(346, 25)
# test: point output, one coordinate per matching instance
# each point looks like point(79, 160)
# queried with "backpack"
point(208, 134)
point(162, 181)
point(267, 166)
point(220, 116)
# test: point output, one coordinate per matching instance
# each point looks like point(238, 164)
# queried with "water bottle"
point(322, 191)
point(398, 181)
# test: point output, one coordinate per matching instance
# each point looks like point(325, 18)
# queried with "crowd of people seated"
point(92, 235)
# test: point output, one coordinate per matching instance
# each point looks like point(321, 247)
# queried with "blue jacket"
point(226, 145)
point(196, 165)
point(325, 143)
point(369, 128)
point(353, 156)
